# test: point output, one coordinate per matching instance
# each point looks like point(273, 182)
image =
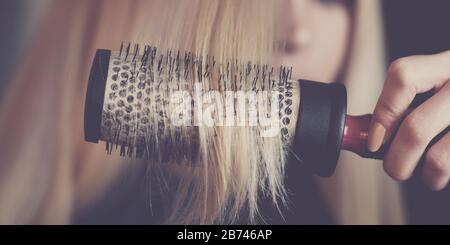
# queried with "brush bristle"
point(137, 106)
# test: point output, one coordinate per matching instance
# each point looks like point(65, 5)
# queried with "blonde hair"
point(229, 176)
point(235, 166)
point(47, 170)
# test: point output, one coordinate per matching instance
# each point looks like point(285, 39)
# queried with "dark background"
point(420, 27)
point(11, 15)
point(412, 27)
point(17, 20)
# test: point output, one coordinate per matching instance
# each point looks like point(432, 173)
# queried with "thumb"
point(404, 80)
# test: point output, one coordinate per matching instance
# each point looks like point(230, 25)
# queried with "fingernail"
point(376, 137)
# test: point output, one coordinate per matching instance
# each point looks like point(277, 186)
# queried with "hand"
point(406, 78)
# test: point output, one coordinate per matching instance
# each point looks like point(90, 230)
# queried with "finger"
point(436, 173)
point(406, 78)
point(416, 132)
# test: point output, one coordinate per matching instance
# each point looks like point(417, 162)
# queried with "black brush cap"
point(95, 96)
point(320, 126)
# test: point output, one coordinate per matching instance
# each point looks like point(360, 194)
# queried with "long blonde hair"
point(51, 85)
point(47, 170)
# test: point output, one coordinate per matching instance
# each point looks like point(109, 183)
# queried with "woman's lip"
point(290, 48)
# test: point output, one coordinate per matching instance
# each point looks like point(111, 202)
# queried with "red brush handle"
point(356, 132)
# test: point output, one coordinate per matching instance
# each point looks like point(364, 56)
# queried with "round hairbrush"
point(134, 97)
point(128, 106)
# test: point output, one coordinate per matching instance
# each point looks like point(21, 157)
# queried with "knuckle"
point(396, 172)
point(388, 110)
point(437, 161)
point(401, 71)
point(414, 131)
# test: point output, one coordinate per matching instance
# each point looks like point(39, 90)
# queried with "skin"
point(318, 22)
point(311, 25)
point(406, 78)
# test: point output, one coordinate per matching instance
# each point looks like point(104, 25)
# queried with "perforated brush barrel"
point(126, 106)
point(137, 100)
